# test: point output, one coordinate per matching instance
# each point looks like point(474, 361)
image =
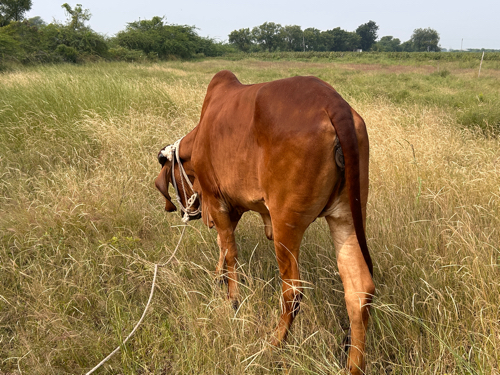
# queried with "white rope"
point(145, 310)
point(171, 152)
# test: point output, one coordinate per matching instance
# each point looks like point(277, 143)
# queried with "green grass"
point(394, 58)
point(471, 100)
point(81, 225)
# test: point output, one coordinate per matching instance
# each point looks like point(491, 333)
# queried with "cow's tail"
point(343, 122)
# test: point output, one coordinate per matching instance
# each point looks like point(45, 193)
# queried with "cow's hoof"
point(274, 343)
point(346, 344)
point(235, 304)
point(277, 339)
point(220, 278)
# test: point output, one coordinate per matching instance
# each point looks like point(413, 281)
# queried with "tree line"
point(33, 40)
point(272, 37)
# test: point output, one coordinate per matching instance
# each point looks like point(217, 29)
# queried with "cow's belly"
point(252, 203)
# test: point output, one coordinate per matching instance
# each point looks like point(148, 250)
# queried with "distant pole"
point(461, 44)
point(480, 65)
point(304, 42)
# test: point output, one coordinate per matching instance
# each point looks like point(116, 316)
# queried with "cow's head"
point(163, 179)
point(166, 157)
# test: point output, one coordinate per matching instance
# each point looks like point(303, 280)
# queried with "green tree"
point(268, 36)
point(74, 40)
point(211, 47)
point(242, 39)
point(388, 44)
point(157, 39)
point(293, 38)
point(407, 46)
point(31, 41)
point(23, 41)
point(340, 40)
point(425, 40)
point(37, 21)
point(13, 10)
point(368, 34)
point(77, 16)
point(9, 44)
point(75, 34)
point(313, 40)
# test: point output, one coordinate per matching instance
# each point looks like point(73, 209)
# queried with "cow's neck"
point(182, 167)
point(185, 151)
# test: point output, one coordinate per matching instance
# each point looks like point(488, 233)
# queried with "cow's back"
point(258, 138)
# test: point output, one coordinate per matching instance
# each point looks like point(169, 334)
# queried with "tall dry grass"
point(81, 225)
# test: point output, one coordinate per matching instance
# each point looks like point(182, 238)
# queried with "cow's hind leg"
point(358, 285)
point(288, 233)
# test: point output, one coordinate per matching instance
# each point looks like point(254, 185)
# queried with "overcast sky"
point(478, 23)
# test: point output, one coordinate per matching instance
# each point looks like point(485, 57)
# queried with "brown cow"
point(274, 148)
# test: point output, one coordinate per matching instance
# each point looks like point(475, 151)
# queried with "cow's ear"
point(161, 184)
point(162, 159)
point(163, 179)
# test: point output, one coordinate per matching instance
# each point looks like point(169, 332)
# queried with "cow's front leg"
point(225, 226)
point(268, 226)
point(220, 268)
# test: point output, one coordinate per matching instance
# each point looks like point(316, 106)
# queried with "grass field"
point(81, 226)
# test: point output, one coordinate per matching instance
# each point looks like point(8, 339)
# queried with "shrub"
point(124, 54)
point(158, 40)
point(441, 73)
point(68, 53)
point(485, 118)
point(8, 46)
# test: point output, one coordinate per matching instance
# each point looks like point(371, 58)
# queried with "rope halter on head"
point(171, 152)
